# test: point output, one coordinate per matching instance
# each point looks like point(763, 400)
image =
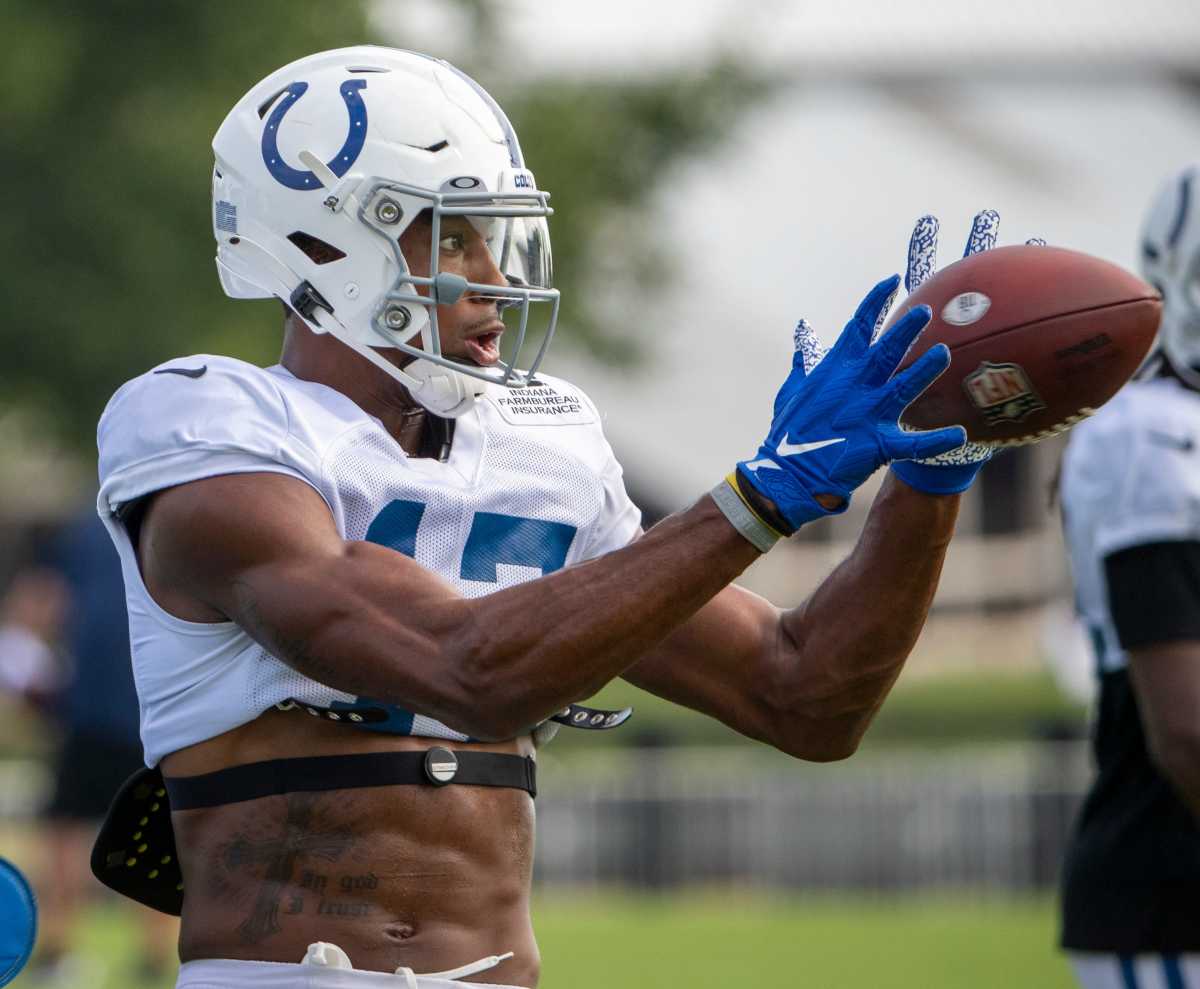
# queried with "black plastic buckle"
point(306, 300)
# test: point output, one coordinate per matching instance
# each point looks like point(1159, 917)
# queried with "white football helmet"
point(324, 164)
point(1171, 263)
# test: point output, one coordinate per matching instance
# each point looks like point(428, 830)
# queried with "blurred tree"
point(108, 109)
point(107, 113)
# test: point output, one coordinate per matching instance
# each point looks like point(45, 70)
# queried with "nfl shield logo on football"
point(1002, 392)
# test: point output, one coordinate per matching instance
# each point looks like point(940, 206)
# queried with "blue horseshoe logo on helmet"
point(295, 178)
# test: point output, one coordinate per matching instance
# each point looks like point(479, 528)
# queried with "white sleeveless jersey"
point(530, 486)
point(1131, 476)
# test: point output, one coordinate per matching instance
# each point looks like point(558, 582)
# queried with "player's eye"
point(452, 243)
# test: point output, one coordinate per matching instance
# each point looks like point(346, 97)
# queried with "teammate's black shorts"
point(88, 772)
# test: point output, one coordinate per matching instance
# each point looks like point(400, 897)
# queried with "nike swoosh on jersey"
point(1184, 444)
point(187, 372)
point(786, 449)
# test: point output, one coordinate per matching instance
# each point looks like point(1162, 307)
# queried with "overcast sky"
point(622, 36)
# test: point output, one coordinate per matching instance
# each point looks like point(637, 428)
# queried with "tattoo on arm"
point(292, 648)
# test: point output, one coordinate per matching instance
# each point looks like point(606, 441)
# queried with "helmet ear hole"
point(266, 104)
point(315, 249)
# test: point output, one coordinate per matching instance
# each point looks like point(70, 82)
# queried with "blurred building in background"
point(1064, 118)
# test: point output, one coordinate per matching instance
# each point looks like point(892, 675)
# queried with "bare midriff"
point(426, 877)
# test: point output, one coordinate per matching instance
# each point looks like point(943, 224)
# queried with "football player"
point(364, 583)
point(1131, 510)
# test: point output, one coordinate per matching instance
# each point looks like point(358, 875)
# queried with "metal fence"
point(662, 818)
point(982, 818)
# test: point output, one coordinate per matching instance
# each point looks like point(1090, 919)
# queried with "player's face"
point(471, 328)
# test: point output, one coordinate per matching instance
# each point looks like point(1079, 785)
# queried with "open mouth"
point(484, 349)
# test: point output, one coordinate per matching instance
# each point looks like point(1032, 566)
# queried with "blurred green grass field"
point(739, 940)
point(711, 940)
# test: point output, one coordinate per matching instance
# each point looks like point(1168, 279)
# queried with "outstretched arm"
point(810, 680)
point(263, 551)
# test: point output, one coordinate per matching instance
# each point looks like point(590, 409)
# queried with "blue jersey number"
point(494, 539)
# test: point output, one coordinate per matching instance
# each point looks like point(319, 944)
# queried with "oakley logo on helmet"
point(296, 178)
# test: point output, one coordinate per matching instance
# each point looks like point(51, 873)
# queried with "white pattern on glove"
point(922, 263)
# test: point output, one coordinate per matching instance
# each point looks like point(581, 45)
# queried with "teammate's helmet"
point(324, 164)
point(1171, 263)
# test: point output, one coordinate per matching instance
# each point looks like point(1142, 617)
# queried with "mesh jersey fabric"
point(1131, 476)
point(1131, 480)
point(525, 491)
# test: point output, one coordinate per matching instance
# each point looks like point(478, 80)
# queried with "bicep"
point(717, 662)
point(262, 550)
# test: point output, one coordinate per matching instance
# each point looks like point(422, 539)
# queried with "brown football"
point(1039, 338)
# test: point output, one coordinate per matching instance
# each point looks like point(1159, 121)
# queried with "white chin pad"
point(442, 391)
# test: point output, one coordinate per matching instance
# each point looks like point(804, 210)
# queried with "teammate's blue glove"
point(954, 471)
point(835, 419)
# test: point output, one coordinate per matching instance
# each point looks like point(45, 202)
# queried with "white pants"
point(324, 967)
point(1096, 970)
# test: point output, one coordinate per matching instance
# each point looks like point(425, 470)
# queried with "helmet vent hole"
point(435, 148)
point(366, 68)
point(265, 105)
point(315, 249)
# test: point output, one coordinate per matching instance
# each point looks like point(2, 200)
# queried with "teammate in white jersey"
point(429, 550)
point(1131, 511)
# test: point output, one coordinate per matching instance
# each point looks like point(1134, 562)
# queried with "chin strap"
point(441, 390)
point(437, 388)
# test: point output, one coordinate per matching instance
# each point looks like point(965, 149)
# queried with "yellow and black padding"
point(135, 853)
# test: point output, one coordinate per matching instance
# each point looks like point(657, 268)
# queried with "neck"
point(325, 360)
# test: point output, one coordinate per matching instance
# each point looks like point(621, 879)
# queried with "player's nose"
point(485, 271)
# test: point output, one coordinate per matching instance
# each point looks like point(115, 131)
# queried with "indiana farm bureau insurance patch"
point(542, 405)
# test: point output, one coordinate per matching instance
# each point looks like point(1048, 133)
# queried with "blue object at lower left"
point(18, 921)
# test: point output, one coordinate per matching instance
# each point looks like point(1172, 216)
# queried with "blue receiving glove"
point(954, 471)
point(835, 420)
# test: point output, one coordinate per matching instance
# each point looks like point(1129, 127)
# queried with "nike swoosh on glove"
point(836, 423)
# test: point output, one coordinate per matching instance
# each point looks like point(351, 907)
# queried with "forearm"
point(842, 649)
point(497, 664)
point(549, 642)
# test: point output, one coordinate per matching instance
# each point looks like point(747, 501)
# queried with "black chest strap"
point(436, 767)
point(135, 851)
